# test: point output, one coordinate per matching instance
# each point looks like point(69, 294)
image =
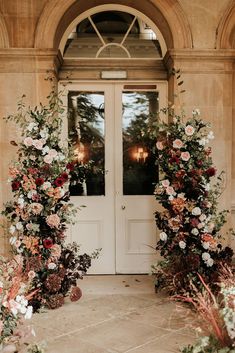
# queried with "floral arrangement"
point(14, 285)
point(189, 223)
point(217, 314)
point(40, 212)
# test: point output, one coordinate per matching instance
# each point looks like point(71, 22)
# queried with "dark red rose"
point(194, 222)
point(47, 243)
point(180, 174)
point(15, 185)
point(64, 176)
point(59, 182)
point(70, 166)
point(199, 163)
point(211, 171)
point(174, 159)
point(39, 181)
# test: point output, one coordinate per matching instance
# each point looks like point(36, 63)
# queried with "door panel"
point(135, 203)
point(119, 209)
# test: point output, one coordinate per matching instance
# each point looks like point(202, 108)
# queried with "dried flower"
point(53, 283)
point(75, 294)
point(55, 301)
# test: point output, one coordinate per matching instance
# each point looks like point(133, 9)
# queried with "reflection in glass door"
point(139, 113)
point(86, 130)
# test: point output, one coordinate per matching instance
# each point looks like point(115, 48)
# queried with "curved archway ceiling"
point(112, 34)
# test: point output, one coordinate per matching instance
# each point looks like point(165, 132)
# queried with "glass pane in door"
point(86, 129)
point(139, 169)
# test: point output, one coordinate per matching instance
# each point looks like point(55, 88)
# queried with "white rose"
point(29, 313)
point(206, 256)
point(210, 262)
point(32, 126)
point(182, 244)
point(19, 226)
point(196, 211)
point(51, 266)
point(195, 231)
point(12, 240)
point(46, 185)
point(211, 136)
point(163, 236)
point(45, 150)
point(206, 245)
point(12, 229)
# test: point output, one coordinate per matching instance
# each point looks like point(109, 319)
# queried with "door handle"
point(123, 207)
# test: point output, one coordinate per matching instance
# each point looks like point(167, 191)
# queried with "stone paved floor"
point(117, 314)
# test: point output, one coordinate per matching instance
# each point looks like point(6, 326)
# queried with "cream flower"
point(38, 144)
point(182, 244)
point(196, 211)
point(189, 130)
point(163, 236)
point(170, 190)
point(48, 159)
point(165, 183)
point(28, 141)
point(53, 221)
point(159, 145)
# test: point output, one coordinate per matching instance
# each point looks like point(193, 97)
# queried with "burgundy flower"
point(211, 171)
point(59, 182)
point(174, 159)
point(47, 243)
point(194, 222)
point(70, 166)
point(39, 181)
point(199, 163)
point(180, 174)
point(15, 185)
point(64, 176)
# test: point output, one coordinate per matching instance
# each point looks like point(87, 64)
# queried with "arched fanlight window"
point(112, 34)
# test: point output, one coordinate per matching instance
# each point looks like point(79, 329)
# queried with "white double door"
point(119, 219)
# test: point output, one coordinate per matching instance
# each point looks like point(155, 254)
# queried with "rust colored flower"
point(55, 301)
point(31, 243)
point(178, 205)
point(53, 283)
point(75, 294)
point(180, 174)
point(174, 223)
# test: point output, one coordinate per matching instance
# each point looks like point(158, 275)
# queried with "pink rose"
point(53, 221)
point(38, 144)
point(165, 183)
point(48, 159)
point(177, 143)
point(185, 156)
point(189, 130)
point(53, 153)
point(170, 190)
point(28, 141)
point(159, 145)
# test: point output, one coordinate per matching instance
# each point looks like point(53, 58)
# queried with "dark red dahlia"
point(47, 243)
point(64, 176)
point(174, 159)
point(70, 166)
point(211, 171)
point(15, 185)
point(59, 182)
point(39, 181)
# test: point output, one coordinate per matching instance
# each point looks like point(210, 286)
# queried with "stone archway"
point(226, 28)
point(167, 15)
